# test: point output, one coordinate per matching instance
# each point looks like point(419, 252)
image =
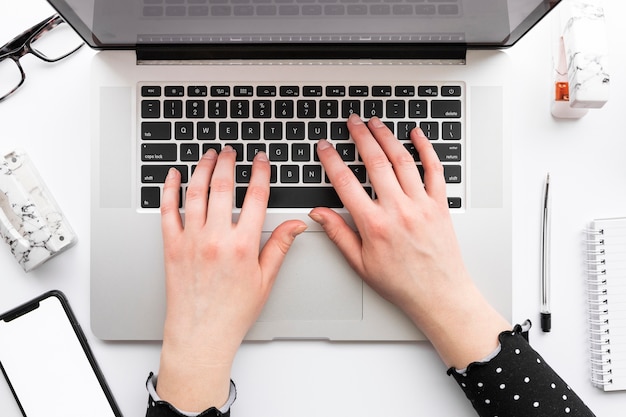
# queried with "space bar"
point(296, 197)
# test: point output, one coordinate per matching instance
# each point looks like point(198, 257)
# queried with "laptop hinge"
point(149, 54)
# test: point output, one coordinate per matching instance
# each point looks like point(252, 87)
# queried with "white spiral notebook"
point(606, 260)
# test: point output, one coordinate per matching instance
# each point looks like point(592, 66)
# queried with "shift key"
point(156, 130)
point(155, 174)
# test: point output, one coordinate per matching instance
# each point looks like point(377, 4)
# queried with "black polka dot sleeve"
point(518, 382)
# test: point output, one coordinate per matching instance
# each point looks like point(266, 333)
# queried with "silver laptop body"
point(147, 44)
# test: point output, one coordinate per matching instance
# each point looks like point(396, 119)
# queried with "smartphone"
point(47, 364)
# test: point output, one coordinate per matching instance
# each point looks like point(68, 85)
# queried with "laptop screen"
point(129, 24)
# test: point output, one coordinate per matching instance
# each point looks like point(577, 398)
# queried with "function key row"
point(296, 91)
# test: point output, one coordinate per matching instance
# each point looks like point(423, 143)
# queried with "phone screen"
point(48, 365)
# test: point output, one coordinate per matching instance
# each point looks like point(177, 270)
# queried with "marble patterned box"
point(31, 222)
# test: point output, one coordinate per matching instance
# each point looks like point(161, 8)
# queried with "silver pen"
point(546, 314)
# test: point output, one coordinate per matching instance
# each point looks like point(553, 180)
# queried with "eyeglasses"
point(50, 40)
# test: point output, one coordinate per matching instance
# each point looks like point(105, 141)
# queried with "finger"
point(434, 180)
point(197, 195)
point(378, 166)
point(257, 195)
point(171, 222)
point(342, 235)
point(222, 183)
point(401, 160)
point(277, 246)
point(347, 186)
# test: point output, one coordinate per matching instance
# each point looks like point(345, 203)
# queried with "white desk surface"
point(49, 118)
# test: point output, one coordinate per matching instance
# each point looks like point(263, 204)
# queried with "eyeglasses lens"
point(56, 43)
point(10, 77)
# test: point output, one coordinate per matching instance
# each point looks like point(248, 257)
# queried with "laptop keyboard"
point(223, 8)
point(178, 123)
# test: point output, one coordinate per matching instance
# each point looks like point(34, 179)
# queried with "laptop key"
point(296, 197)
point(159, 152)
point(156, 130)
point(445, 109)
point(155, 174)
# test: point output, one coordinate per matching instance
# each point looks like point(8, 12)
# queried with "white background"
point(49, 118)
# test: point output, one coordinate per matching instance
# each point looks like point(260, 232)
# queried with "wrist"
point(193, 379)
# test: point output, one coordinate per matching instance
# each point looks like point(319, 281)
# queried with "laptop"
point(174, 78)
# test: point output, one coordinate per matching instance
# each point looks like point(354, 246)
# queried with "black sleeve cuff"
point(518, 382)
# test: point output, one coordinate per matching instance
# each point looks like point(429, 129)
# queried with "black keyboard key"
point(318, 130)
point(335, 91)
point(359, 172)
point(395, 109)
point(254, 148)
point(239, 109)
point(150, 197)
point(312, 174)
point(350, 106)
point(165, 152)
point(289, 91)
point(448, 152)
point(220, 91)
point(190, 152)
point(430, 129)
point(347, 151)
point(404, 130)
point(284, 109)
point(451, 91)
point(358, 91)
point(150, 109)
point(194, 109)
point(306, 109)
point(339, 131)
point(373, 108)
point(197, 91)
point(278, 152)
point(405, 91)
point(150, 91)
point(228, 130)
point(329, 109)
point(243, 91)
point(272, 131)
point(156, 130)
point(173, 109)
point(451, 130)
point(300, 152)
point(266, 91)
point(206, 131)
point(183, 130)
point(261, 109)
point(295, 130)
point(155, 174)
point(381, 91)
point(454, 202)
point(243, 173)
point(296, 197)
point(289, 174)
point(418, 109)
point(445, 109)
point(452, 174)
point(312, 91)
point(174, 91)
point(217, 109)
point(251, 131)
point(427, 91)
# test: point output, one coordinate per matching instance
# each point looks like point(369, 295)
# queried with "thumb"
point(277, 246)
point(341, 234)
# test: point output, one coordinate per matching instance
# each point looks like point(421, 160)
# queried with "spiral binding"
point(599, 333)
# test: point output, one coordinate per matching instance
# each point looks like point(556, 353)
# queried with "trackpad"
point(314, 283)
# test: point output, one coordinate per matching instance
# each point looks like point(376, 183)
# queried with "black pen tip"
point(546, 322)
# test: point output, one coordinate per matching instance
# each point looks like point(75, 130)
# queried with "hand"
point(406, 248)
point(217, 282)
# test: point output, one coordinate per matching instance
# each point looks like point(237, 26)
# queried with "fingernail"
point(355, 119)
point(419, 132)
point(323, 144)
point(210, 154)
point(171, 173)
point(261, 156)
point(298, 230)
point(228, 148)
point(316, 217)
point(375, 122)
